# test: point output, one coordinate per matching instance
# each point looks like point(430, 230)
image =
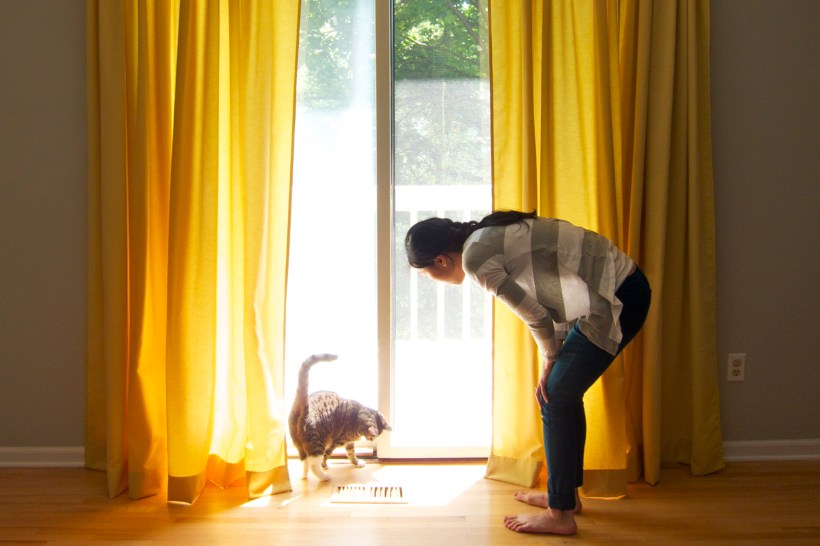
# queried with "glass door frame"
point(384, 210)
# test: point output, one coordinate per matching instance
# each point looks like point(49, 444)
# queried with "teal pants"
point(578, 365)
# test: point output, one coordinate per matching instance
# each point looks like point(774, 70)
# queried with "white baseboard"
point(772, 450)
point(42, 457)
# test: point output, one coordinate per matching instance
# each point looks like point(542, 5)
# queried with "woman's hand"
point(541, 389)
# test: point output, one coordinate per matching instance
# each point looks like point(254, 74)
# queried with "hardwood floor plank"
point(448, 504)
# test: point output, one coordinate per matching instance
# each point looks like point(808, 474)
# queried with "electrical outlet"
point(736, 369)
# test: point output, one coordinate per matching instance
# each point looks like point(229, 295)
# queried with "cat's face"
point(376, 427)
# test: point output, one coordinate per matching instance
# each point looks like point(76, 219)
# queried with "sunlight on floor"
point(271, 500)
point(423, 485)
point(431, 485)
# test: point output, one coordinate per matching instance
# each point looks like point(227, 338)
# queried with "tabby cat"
point(323, 421)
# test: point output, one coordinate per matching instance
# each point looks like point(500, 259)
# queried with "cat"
point(323, 421)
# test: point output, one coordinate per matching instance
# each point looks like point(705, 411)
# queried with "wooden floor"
point(447, 504)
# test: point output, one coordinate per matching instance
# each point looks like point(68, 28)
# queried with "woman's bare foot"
point(557, 522)
point(542, 499)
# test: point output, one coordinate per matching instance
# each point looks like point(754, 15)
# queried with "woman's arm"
point(534, 315)
point(493, 277)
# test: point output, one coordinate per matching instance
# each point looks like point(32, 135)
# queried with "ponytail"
point(433, 237)
point(505, 218)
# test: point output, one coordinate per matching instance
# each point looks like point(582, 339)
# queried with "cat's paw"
point(358, 463)
point(320, 474)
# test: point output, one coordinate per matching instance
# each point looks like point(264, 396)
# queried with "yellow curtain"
point(601, 116)
point(191, 109)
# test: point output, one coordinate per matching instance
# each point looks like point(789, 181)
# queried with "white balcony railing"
point(460, 203)
point(450, 364)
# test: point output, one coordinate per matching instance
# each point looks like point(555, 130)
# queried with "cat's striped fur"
point(323, 421)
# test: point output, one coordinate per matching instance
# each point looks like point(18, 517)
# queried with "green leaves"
point(433, 39)
point(436, 39)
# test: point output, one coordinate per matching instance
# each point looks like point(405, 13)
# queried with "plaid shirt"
point(549, 271)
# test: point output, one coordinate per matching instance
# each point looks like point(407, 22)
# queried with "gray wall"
point(766, 143)
point(766, 123)
point(42, 222)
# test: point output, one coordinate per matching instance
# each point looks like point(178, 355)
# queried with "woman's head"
point(435, 237)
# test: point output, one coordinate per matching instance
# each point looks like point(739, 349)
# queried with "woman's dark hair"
point(433, 237)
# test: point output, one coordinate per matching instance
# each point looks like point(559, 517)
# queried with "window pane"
point(442, 356)
point(332, 262)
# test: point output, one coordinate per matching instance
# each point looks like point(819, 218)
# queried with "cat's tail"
point(304, 371)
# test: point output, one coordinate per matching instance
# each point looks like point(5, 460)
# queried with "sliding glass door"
point(392, 127)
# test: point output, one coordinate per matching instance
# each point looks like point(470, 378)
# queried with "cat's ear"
point(383, 424)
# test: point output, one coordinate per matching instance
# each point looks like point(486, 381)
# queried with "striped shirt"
point(549, 271)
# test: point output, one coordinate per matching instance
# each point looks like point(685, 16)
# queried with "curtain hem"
point(271, 482)
point(609, 484)
point(523, 472)
point(185, 489)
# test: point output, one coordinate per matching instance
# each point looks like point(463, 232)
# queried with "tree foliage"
point(328, 33)
point(440, 73)
point(439, 39)
point(433, 39)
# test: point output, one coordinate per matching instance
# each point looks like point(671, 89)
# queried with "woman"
point(547, 271)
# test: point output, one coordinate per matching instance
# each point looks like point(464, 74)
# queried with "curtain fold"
point(600, 114)
point(191, 109)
